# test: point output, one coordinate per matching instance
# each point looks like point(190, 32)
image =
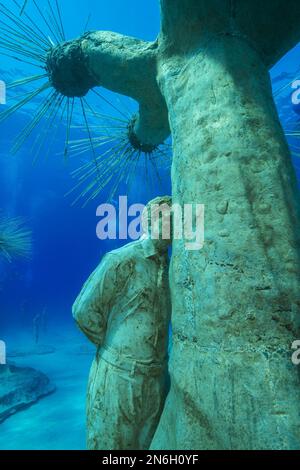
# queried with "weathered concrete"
point(236, 304)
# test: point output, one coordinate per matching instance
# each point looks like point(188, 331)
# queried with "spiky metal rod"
point(281, 89)
point(26, 42)
point(120, 157)
point(23, 7)
point(15, 238)
point(293, 135)
point(73, 71)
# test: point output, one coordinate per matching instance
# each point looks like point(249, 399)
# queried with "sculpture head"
point(157, 222)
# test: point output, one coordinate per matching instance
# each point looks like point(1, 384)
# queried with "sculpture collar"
point(150, 249)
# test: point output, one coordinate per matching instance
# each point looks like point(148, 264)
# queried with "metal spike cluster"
point(118, 161)
point(15, 238)
point(23, 40)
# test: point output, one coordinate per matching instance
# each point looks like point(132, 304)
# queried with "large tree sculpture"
point(236, 302)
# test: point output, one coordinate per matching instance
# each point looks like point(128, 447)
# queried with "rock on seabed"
point(20, 388)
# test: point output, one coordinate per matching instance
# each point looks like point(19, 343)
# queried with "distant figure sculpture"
point(124, 308)
point(37, 327)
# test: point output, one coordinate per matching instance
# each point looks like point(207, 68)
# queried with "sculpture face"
point(161, 231)
point(157, 222)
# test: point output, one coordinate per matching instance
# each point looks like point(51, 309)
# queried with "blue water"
point(65, 246)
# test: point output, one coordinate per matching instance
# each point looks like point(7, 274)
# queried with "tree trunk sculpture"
point(236, 302)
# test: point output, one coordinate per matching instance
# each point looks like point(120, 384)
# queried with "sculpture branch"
point(121, 64)
point(272, 27)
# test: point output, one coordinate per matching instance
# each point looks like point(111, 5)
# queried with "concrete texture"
point(233, 383)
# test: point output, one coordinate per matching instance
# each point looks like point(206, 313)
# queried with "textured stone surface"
point(236, 304)
point(128, 66)
point(271, 26)
point(21, 387)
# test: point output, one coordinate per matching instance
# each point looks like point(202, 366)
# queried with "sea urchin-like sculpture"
point(15, 238)
point(69, 74)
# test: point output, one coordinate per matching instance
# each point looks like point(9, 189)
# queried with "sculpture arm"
point(92, 306)
point(119, 63)
point(128, 66)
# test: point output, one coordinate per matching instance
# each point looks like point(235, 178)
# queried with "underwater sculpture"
point(15, 238)
point(116, 154)
point(124, 309)
point(236, 303)
point(36, 323)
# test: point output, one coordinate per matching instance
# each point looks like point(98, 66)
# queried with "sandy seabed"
point(56, 422)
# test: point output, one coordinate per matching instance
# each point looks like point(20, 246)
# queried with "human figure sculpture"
point(124, 309)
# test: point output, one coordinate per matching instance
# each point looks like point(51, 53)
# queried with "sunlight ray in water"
point(23, 7)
